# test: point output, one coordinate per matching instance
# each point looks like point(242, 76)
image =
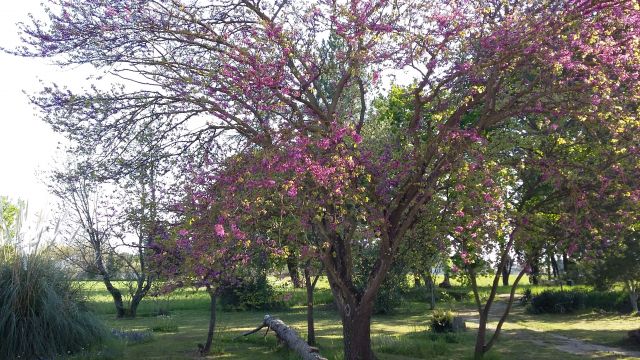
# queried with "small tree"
point(618, 262)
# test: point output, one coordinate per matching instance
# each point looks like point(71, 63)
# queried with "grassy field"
point(401, 335)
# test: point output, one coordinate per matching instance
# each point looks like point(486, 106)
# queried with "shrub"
point(41, 313)
point(392, 292)
point(526, 297)
point(568, 301)
point(251, 293)
point(441, 321)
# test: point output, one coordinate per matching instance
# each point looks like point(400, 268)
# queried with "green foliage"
point(10, 216)
point(41, 312)
point(393, 289)
point(558, 302)
point(617, 263)
point(441, 321)
point(250, 293)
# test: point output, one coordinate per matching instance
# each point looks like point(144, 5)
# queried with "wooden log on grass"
point(289, 337)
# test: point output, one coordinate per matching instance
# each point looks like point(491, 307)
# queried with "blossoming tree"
point(254, 69)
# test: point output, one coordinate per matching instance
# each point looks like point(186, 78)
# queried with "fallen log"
point(288, 336)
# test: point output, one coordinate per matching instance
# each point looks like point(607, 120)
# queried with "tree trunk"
point(141, 291)
point(117, 298)
point(535, 271)
point(446, 283)
point(416, 280)
point(506, 271)
point(554, 267)
point(310, 285)
point(431, 288)
point(115, 293)
point(212, 322)
point(479, 350)
point(356, 332)
point(292, 266)
point(633, 297)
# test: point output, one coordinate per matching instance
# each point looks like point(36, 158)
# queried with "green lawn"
point(402, 335)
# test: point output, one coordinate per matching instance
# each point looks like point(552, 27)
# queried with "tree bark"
point(506, 272)
point(633, 297)
point(446, 283)
point(554, 266)
point(431, 288)
point(142, 289)
point(106, 279)
point(310, 286)
point(356, 332)
point(289, 337)
point(117, 298)
point(212, 322)
point(294, 273)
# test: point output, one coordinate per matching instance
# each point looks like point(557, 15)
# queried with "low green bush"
point(251, 293)
point(553, 301)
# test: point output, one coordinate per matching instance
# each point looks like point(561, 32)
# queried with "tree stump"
point(458, 324)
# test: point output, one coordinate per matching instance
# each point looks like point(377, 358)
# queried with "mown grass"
point(402, 335)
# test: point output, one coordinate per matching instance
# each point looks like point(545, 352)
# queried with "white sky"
point(27, 144)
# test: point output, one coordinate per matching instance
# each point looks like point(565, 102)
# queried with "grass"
point(402, 335)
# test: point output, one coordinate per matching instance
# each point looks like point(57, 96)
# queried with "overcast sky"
point(27, 144)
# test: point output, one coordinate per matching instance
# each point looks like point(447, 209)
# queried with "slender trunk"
point(535, 270)
point(554, 266)
point(430, 283)
point(479, 350)
point(141, 291)
point(292, 266)
point(310, 286)
point(633, 297)
point(106, 279)
point(212, 321)
point(565, 262)
point(482, 346)
point(446, 283)
point(117, 297)
point(416, 280)
point(506, 272)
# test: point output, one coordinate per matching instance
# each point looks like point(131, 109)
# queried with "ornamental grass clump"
point(42, 315)
point(442, 321)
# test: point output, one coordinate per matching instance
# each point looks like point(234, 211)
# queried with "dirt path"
point(549, 339)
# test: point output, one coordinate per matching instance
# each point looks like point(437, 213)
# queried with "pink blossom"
point(292, 191)
point(219, 229)
point(324, 144)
